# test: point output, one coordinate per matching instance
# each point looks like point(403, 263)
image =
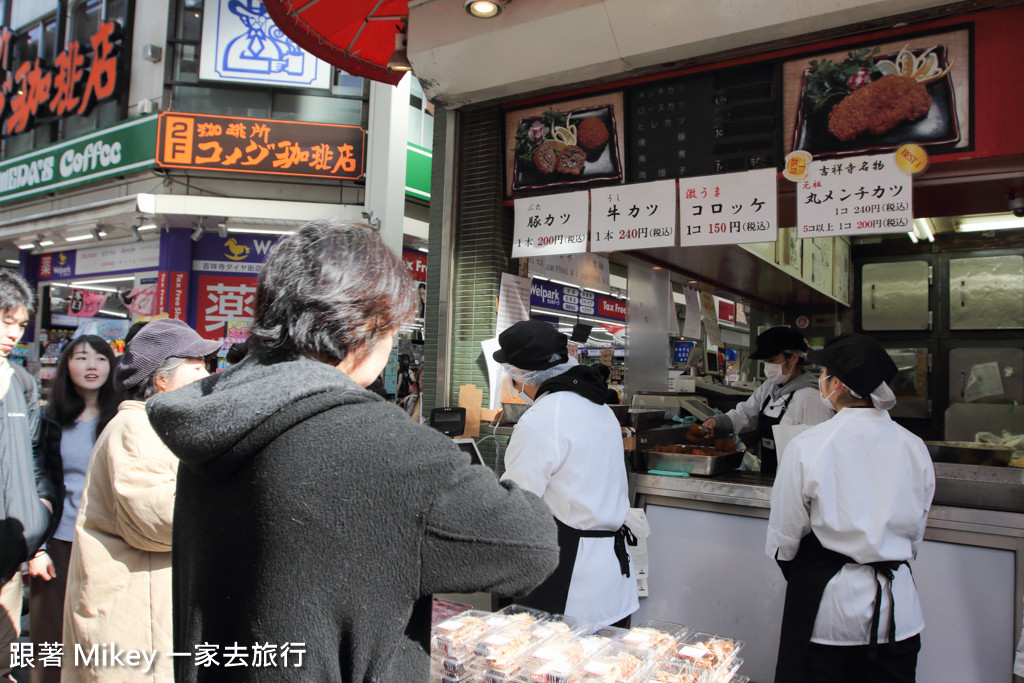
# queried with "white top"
point(568, 451)
point(804, 408)
point(863, 484)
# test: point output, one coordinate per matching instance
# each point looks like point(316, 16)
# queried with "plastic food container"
point(708, 651)
point(552, 661)
point(658, 637)
point(454, 637)
point(618, 663)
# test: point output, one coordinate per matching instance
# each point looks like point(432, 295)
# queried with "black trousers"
point(896, 663)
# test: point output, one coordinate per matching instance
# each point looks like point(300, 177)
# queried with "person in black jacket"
point(312, 514)
point(26, 495)
point(82, 401)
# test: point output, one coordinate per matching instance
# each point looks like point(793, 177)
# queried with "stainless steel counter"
point(709, 531)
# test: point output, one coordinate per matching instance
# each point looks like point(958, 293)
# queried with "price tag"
point(854, 196)
point(555, 224)
point(633, 216)
point(731, 208)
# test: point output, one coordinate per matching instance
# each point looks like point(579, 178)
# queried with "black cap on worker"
point(775, 340)
point(532, 345)
point(859, 362)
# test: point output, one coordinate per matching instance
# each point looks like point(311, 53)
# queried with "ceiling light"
point(78, 238)
point(400, 59)
point(923, 229)
point(46, 243)
point(14, 261)
point(143, 223)
point(1000, 221)
point(197, 234)
point(261, 231)
point(913, 237)
point(485, 9)
point(86, 283)
point(30, 245)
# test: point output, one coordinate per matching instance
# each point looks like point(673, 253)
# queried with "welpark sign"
point(119, 149)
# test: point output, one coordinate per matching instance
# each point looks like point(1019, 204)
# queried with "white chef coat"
point(568, 451)
point(863, 485)
point(803, 408)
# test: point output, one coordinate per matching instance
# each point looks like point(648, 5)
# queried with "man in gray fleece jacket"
point(312, 515)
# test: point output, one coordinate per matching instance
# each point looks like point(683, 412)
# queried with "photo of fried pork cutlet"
point(879, 107)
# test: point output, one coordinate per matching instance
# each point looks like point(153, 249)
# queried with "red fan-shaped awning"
point(357, 36)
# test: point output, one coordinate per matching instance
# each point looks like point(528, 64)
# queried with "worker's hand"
point(709, 424)
point(41, 566)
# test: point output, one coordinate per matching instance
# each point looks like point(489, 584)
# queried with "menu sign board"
point(854, 196)
point(721, 122)
point(733, 208)
point(633, 216)
point(555, 224)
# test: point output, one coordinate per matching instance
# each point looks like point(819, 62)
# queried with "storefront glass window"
point(221, 101)
point(292, 107)
point(85, 19)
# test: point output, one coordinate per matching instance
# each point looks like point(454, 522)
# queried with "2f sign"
point(178, 140)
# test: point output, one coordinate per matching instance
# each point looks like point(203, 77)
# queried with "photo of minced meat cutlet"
point(571, 160)
point(545, 157)
point(592, 136)
point(879, 106)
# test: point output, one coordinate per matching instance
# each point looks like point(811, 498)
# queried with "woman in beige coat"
point(117, 611)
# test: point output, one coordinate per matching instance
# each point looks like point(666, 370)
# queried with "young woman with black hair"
point(81, 403)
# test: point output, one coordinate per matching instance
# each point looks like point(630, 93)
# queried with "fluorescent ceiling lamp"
point(27, 246)
point(78, 238)
point(93, 287)
point(148, 226)
point(46, 243)
point(14, 261)
point(260, 231)
point(923, 229)
point(83, 283)
point(116, 314)
point(998, 222)
point(913, 237)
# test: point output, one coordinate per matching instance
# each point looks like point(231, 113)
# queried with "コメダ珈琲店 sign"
point(245, 145)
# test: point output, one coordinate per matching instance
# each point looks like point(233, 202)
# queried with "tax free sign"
point(119, 149)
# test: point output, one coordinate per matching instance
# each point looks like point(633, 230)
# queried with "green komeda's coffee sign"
point(119, 149)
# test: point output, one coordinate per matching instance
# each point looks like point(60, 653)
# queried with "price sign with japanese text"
point(854, 196)
point(555, 224)
point(729, 208)
point(633, 216)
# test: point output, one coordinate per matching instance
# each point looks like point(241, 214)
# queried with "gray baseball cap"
point(153, 345)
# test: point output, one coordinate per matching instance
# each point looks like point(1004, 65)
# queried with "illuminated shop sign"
point(244, 145)
point(119, 149)
point(80, 77)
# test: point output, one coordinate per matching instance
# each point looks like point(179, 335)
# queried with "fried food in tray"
point(707, 651)
point(879, 107)
point(718, 447)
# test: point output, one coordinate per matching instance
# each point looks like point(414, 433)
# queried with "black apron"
point(769, 458)
point(806, 575)
point(552, 595)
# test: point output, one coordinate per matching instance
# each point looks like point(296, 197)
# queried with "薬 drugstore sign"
point(119, 149)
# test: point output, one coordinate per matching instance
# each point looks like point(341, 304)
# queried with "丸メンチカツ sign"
point(245, 145)
point(854, 196)
point(119, 149)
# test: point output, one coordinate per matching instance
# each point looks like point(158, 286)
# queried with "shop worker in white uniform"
point(849, 508)
point(788, 396)
point(567, 449)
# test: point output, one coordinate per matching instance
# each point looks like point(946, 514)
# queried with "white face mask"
point(524, 398)
point(775, 373)
point(826, 399)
